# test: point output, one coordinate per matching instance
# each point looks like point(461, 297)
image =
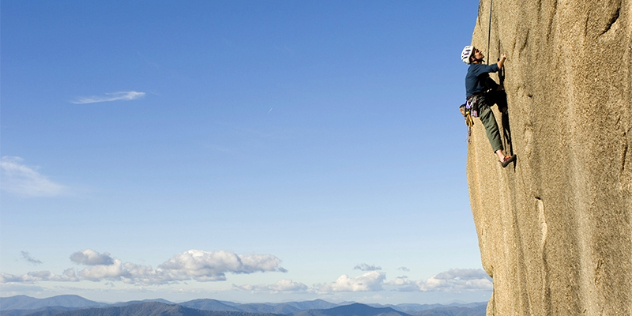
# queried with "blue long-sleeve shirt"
point(476, 75)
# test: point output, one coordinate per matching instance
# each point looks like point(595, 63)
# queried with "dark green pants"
point(489, 121)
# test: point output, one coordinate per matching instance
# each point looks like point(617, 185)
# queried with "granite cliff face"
point(555, 228)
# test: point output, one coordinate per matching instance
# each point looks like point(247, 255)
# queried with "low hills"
point(70, 305)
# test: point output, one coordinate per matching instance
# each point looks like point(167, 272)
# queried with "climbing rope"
point(501, 72)
point(489, 28)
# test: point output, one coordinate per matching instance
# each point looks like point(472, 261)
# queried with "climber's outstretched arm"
point(501, 61)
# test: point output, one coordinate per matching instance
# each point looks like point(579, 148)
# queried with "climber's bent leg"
point(491, 128)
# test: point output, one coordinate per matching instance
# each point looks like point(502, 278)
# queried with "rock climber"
point(482, 97)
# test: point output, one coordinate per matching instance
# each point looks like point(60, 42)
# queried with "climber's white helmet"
point(467, 52)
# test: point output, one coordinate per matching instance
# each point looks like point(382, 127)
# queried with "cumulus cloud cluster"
point(370, 281)
point(458, 280)
point(455, 280)
point(212, 266)
point(90, 257)
point(195, 265)
point(22, 180)
point(205, 266)
point(109, 97)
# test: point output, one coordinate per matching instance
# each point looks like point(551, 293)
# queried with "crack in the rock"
point(613, 19)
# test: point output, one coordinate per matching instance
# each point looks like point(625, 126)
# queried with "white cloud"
point(403, 269)
point(401, 280)
point(112, 271)
point(90, 257)
point(27, 256)
point(114, 96)
point(189, 265)
point(6, 278)
point(370, 281)
point(213, 265)
point(22, 180)
point(403, 284)
point(455, 280)
point(367, 267)
point(281, 286)
point(139, 274)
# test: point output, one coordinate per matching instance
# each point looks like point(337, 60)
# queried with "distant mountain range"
point(73, 305)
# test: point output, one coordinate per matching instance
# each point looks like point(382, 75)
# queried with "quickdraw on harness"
point(469, 112)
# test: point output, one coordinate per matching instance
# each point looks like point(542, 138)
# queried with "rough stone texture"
point(554, 228)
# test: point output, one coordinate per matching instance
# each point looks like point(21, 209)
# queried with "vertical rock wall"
point(555, 228)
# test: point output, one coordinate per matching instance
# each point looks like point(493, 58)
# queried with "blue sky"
point(254, 151)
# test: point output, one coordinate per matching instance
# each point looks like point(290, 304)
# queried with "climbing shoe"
point(508, 160)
